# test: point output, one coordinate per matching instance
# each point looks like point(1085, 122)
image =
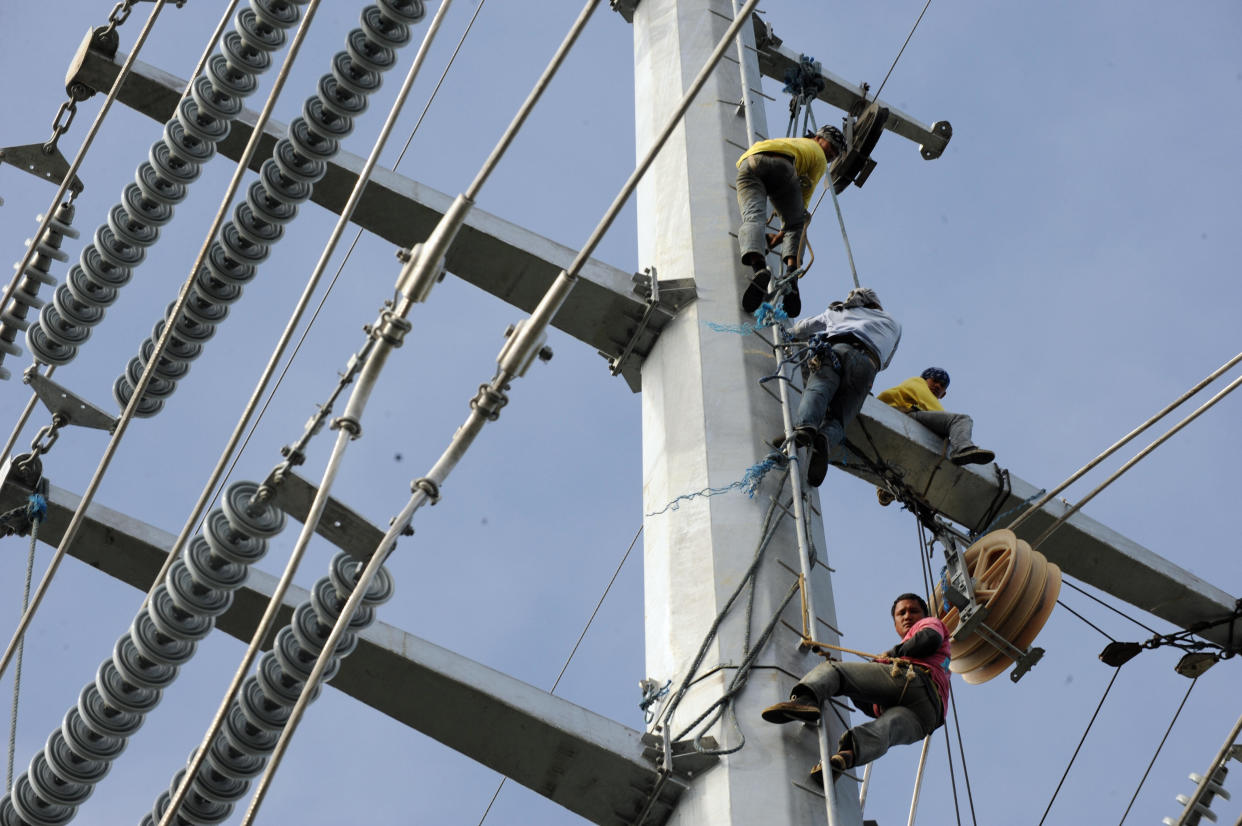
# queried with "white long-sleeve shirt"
point(876, 329)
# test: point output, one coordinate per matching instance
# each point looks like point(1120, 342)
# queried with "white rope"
point(17, 665)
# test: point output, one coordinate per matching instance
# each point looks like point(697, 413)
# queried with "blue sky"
point(1071, 260)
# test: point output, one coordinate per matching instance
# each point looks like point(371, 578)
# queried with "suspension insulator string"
point(491, 397)
point(257, 33)
point(121, 77)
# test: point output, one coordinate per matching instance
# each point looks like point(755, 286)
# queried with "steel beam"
point(1085, 549)
point(497, 256)
point(777, 60)
point(581, 760)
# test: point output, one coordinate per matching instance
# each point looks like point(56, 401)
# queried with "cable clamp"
point(428, 487)
point(489, 401)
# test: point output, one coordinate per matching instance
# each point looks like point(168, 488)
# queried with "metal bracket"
point(35, 159)
point(668, 297)
point(687, 760)
point(625, 8)
point(1024, 660)
point(61, 402)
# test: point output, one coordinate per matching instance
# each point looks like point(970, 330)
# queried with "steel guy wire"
point(1050, 495)
point(902, 49)
point(607, 588)
point(1203, 408)
point(130, 409)
point(337, 275)
point(491, 398)
point(1163, 739)
point(1087, 731)
point(76, 164)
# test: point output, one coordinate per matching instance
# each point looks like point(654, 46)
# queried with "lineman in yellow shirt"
point(920, 397)
point(784, 171)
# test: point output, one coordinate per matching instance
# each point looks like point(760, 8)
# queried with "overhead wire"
point(1115, 446)
point(565, 667)
point(525, 341)
point(1074, 757)
point(314, 317)
point(902, 50)
point(1115, 610)
point(127, 415)
point(1077, 506)
point(1163, 739)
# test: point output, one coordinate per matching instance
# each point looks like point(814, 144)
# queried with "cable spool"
point(1018, 586)
point(286, 179)
point(145, 660)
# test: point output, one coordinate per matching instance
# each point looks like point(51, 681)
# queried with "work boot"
point(817, 465)
point(840, 762)
point(756, 291)
point(799, 709)
point(971, 455)
point(792, 303)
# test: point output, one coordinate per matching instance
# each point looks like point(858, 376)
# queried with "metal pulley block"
point(861, 135)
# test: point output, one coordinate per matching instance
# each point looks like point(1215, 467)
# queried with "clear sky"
point(1071, 260)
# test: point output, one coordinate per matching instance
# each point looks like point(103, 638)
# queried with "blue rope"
point(748, 484)
point(766, 316)
point(36, 507)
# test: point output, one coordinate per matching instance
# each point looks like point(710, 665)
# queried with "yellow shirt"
point(913, 393)
point(808, 157)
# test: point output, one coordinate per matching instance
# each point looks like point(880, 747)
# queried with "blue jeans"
point(760, 179)
point(912, 708)
point(831, 400)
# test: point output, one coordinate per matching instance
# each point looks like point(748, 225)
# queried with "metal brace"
point(687, 760)
point(66, 404)
point(647, 284)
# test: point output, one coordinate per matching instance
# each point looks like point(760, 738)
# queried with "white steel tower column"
point(705, 420)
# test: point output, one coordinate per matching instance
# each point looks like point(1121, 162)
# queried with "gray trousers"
point(764, 178)
point(912, 709)
point(956, 427)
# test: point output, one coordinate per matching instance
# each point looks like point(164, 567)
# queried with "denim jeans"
point(760, 179)
point(830, 400)
point(956, 427)
point(912, 709)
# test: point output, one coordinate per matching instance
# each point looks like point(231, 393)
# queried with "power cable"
point(1070, 765)
point(1199, 411)
point(17, 665)
point(1087, 621)
point(1116, 611)
point(346, 434)
point(902, 50)
point(240, 448)
point(127, 415)
point(1167, 732)
point(574, 650)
